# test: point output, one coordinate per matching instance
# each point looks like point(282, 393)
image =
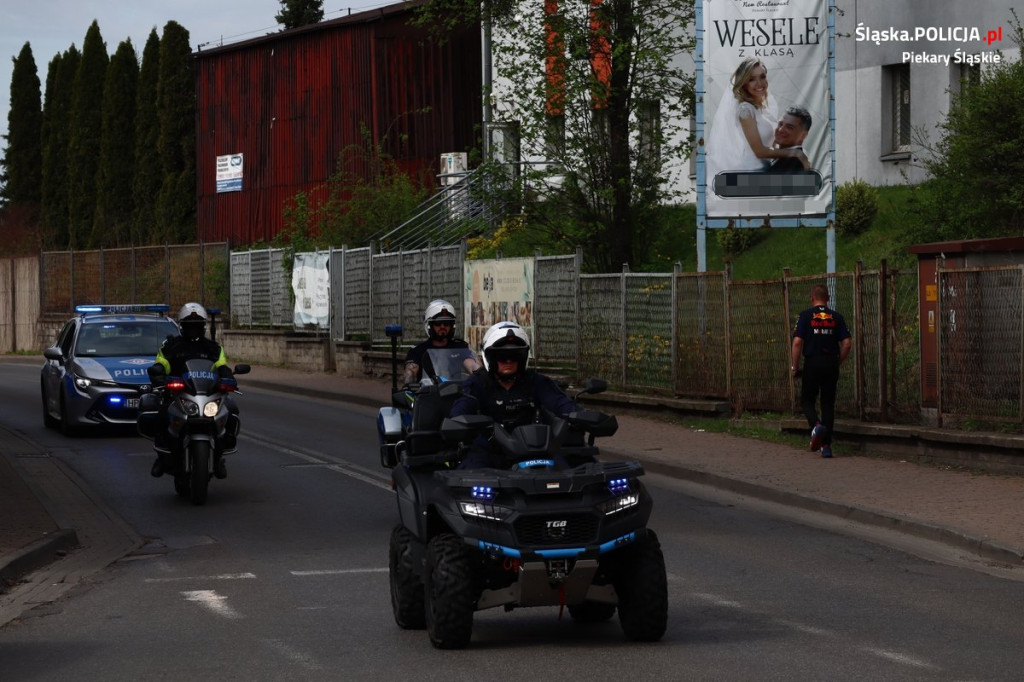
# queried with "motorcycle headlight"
point(480, 510)
point(190, 408)
point(211, 408)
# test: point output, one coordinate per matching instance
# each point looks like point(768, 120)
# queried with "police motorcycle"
point(202, 423)
point(555, 528)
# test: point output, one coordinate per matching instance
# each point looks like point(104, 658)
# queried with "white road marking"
point(223, 576)
point(889, 655)
point(341, 466)
point(209, 599)
point(340, 571)
point(901, 658)
point(292, 654)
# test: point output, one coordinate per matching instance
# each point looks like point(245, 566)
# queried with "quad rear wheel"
point(406, 582)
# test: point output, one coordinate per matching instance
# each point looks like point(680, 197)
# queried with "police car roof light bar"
point(123, 308)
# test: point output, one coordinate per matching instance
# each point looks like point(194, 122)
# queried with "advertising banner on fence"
point(229, 173)
point(496, 291)
point(767, 126)
point(311, 284)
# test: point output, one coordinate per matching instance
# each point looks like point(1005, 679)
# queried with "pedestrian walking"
point(822, 340)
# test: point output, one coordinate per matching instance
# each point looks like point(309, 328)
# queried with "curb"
point(40, 553)
point(982, 547)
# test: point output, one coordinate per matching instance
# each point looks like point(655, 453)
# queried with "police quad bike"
point(556, 528)
point(202, 423)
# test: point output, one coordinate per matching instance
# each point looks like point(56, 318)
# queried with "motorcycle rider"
point(439, 323)
point(505, 390)
point(175, 351)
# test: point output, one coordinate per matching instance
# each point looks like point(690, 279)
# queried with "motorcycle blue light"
point(482, 492)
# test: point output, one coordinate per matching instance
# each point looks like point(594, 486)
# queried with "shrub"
point(856, 207)
point(735, 241)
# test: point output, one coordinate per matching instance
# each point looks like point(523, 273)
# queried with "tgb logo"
point(556, 529)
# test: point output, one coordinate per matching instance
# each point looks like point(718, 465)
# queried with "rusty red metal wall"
point(292, 102)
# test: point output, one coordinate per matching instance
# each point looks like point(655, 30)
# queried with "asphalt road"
point(283, 575)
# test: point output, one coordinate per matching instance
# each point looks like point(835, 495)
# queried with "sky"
point(51, 26)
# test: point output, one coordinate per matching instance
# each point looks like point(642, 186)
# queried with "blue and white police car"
point(96, 369)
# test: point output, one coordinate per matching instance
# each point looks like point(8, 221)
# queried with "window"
point(963, 76)
point(899, 105)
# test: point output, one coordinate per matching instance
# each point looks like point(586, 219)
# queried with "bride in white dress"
point(743, 130)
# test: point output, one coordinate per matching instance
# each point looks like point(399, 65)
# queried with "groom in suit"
point(790, 132)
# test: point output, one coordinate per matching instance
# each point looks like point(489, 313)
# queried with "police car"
point(96, 369)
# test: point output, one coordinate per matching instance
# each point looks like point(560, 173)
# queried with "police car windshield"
point(113, 339)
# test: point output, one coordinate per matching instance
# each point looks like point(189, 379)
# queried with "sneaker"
point(817, 437)
point(826, 451)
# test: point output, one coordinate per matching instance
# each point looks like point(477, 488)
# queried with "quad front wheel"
point(642, 587)
point(451, 592)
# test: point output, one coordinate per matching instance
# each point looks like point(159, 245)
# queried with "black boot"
point(220, 469)
point(157, 470)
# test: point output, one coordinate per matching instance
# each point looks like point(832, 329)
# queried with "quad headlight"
point(480, 510)
point(621, 503)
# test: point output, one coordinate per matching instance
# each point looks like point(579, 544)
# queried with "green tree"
point(295, 13)
point(977, 165)
point(112, 221)
point(603, 97)
point(148, 174)
point(176, 102)
point(86, 127)
point(60, 82)
point(22, 174)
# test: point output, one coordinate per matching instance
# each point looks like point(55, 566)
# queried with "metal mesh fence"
point(153, 274)
point(600, 328)
point(759, 345)
point(980, 343)
point(350, 292)
point(260, 289)
point(554, 311)
point(648, 331)
point(702, 351)
point(904, 363)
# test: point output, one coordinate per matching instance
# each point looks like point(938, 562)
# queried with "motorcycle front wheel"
point(199, 476)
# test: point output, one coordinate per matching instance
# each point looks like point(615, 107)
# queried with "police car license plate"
point(132, 403)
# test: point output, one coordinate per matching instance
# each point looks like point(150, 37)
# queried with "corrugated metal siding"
point(292, 102)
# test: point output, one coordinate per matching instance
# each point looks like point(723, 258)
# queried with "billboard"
point(767, 117)
point(496, 291)
point(229, 173)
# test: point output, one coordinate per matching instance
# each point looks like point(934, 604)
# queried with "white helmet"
point(505, 339)
point(439, 310)
point(192, 319)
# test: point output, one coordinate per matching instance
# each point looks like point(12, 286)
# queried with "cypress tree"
point(23, 157)
point(147, 177)
point(112, 220)
point(86, 128)
point(176, 96)
point(60, 80)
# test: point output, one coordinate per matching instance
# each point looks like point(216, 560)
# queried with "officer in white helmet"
point(506, 390)
point(439, 323)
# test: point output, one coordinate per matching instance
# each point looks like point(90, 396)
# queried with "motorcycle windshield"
point(200, 376)
point(450, 364)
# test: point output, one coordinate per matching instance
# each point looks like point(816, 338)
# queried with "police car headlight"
point(481, 510)
point(211, 408)
point(82, 382)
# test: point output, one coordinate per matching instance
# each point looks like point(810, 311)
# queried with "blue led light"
point(482, 492)
point(115, 400)
point(618, 486)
